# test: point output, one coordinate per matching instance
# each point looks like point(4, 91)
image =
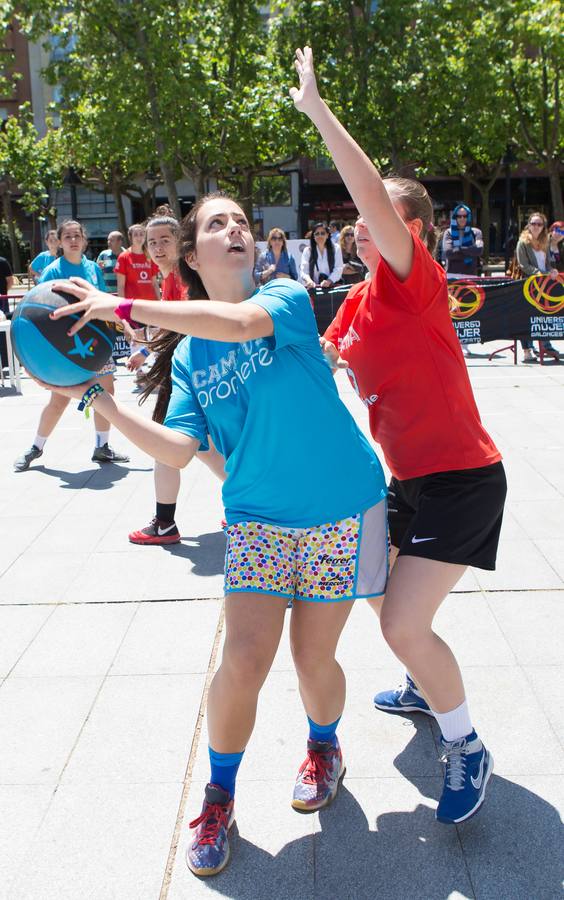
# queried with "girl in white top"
point(322, 262)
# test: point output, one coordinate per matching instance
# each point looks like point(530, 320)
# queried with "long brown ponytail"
point(165, 342)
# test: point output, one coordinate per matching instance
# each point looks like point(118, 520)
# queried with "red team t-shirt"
point(173, 288)
point(138, 271)
point(406, 365)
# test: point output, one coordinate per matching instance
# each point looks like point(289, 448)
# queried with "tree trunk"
point(466, 191)
point(152, 93)
point(485, 221)
point(118, 199)
point(200, 183)
point(247, 197)
point(552, 168)
point(8, 218)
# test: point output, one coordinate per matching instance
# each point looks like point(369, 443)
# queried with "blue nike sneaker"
point(468, 770)
point(406, 698)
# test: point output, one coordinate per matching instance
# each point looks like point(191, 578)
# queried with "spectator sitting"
point(322, 262)
point(275, 261)
point(354, 269)
point(556, 246)
point(462, 244)
point(44, 259)
point(108, 258)
point(335, 231)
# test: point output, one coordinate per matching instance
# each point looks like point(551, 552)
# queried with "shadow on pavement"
point(98, 479)
point(206, 552)
point(512, 849)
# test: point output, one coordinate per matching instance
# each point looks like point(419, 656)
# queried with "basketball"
point(43, 346)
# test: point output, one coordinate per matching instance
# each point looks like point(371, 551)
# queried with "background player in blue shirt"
point(72, 238)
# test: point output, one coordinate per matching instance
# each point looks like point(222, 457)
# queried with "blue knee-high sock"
point(224, 767)
point(323, 732)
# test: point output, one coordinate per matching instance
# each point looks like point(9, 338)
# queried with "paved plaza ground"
point(107, 651)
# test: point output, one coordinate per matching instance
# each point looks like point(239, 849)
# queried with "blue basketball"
point(43, 346)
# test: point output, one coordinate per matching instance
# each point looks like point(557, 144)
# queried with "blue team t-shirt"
point(62, 268)
point(294, 455)
point(41, 261)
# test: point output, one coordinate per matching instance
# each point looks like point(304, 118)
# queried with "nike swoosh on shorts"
point(416, 540)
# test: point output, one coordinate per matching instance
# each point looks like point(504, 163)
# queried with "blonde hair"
point(543, 239)
point(416, 204)
point(345, 231)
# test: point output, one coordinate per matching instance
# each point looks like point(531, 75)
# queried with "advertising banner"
point(485, 309)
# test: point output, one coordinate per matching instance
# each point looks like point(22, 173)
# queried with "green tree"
point(29, 168)
point(533, 36)
point(199, 76)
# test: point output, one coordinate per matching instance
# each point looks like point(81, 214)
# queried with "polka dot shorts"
point(337, 561)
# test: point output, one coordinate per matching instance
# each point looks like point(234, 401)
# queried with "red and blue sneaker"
point(468, 770)
point(319, 776)
point(208, 853)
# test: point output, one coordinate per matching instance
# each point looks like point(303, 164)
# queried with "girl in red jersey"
point(448, 488)
point(137, 277)
point(162, 234)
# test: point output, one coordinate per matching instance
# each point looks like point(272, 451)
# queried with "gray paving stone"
point(514, 849)
point(540, 519)
point(45, 581)
point(169, 638)
point(101, 841)
point(520, 566)
point(18, 627)
point(272, 848)
point(40, 720)
point(548, 685)
point(77, 641)
point(140, 730)
point(114, 577)
point(68, 533)
point(23, 808)
point(506, 713)
point(538, 613)
point(358, 840)
point(553, 551)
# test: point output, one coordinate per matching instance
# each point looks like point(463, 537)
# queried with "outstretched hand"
point(94, 304)
point(332, 356)
point(306, 97)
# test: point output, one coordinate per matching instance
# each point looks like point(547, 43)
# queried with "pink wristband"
point(123, 312)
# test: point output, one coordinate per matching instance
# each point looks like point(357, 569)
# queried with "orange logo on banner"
point(545, 293)
point(465, 299)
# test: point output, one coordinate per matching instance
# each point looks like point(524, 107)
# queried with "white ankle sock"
point(102, 437)
point(39, 441)
point(456, 723)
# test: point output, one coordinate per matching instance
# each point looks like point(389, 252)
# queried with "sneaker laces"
point(316, 767)
point(213, 817)
point(454, 755)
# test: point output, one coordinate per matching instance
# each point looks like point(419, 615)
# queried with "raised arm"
point(211, 319)
point(388, 230)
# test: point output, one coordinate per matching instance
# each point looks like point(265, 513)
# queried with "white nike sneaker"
point(156, 532)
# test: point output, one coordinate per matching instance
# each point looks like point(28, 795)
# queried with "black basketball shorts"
point(452, 517)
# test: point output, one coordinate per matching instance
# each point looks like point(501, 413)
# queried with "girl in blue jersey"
point(252, 376)
point(72, 239)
